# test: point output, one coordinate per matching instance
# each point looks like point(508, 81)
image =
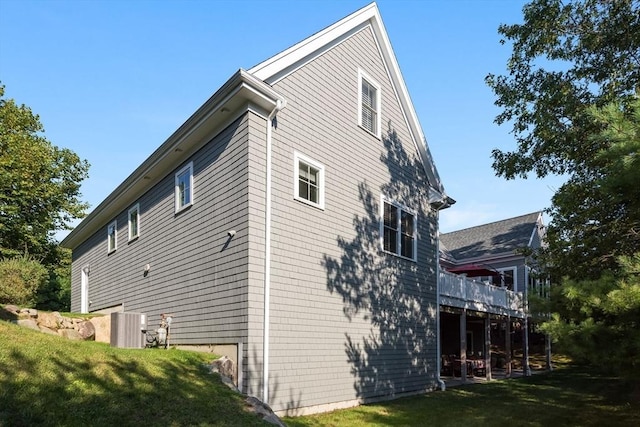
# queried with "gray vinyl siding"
point(193, 275)
point(347, 321)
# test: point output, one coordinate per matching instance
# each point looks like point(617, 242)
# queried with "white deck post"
point(463, 345)
point(507, 346)
point(487, 346)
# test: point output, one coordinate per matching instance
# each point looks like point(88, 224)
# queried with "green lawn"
point(565, 397)
point(47, 380)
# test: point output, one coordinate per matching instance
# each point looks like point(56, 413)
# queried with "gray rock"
point(71, 334)
point(13, 309)
point(86, 330)
point(48, 330)
point(28, 323)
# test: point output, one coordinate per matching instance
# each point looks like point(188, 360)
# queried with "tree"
point(573, 65)
point(39, 184)
point(39, 194)
point(598, 321)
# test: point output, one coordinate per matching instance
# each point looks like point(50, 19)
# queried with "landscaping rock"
point(70, 334)
point(86, 330)
point(47, 330)
point(102, 326)
point(28, 323)
point(50, 320)
point(13, 309)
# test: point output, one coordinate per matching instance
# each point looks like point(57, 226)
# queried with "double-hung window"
point(184, 187)
point(308, 181)
point(398, 230)
point(134, 222)
point(112, 236)
point(369, 95)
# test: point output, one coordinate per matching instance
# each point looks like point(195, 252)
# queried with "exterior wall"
point(348, 322)
point(196, 273)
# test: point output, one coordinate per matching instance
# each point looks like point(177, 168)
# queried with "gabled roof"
point(496, 238)
point(281, 65)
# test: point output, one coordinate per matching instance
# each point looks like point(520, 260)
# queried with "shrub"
point(20, 279)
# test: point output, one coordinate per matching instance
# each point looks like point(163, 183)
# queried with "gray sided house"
point(486, 274)
point(293, 219)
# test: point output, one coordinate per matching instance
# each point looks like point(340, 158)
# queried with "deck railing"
point(463, 292)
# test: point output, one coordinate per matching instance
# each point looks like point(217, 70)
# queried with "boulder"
point(28, 323)
point(102, 325)
point(13, 309)
point(50, 320)
point(86, 330)
point(48, 330)
point(70, 334)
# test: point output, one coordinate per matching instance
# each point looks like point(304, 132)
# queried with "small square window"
point(134, 222)
point(308, 181)
point(398, 230)
point(184, 187)
point(112, 236)
point(369, 95)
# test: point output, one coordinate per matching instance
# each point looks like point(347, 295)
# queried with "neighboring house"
point(291, 220)
point(486, 272)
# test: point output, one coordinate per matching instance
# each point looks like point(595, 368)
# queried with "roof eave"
point(238, 93)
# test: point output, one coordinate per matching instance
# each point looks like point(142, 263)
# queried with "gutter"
point(443, 203)
point(280, 104)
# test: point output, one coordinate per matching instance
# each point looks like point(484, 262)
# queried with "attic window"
point(112, 237)
point(184, 187)
point(369, 95)
point(134, 222)
point(398, 230)
point(308, 181)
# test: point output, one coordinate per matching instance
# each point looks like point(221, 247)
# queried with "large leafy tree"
point(39, 187)
point(573, 65)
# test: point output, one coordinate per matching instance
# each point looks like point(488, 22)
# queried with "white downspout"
point(267, 257)
point(441, 383)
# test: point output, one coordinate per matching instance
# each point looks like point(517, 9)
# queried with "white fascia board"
point(239, 92)
point(281, 65)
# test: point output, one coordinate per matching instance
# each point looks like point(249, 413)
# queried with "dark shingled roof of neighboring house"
point(491, 239)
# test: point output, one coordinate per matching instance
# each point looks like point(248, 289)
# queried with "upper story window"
point(308, 181)
point(507, 278)
point(134, 222)
point(369, 94)
point(184, 187)
point(398, 230)
point(112, 236)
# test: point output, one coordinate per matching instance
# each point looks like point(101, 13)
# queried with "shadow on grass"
point(568, 397)
point(75, 383)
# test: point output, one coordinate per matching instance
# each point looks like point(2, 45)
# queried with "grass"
point(49, 381)
point(565, 397)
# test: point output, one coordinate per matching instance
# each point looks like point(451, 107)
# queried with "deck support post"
point(487, 346)
point(463, 345)
point(507, 346)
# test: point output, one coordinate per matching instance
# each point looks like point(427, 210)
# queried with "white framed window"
point(134, 222)
point(398, 229)
point(184, 187)
point(112, 236)
point(508, 278)
point(308, 181)
point(369, 103)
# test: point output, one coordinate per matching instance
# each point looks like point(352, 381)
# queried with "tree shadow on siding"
point(395, 296)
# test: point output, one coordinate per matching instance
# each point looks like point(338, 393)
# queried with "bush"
point(20, 279)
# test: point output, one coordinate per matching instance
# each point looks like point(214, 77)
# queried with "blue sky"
point(113, 79)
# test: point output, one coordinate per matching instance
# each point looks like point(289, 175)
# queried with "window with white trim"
point(308, 181)
point(184, 187)
point(112, 236)
point(507, 278)
point(134, 222)
point(369, 94)
point(398, 230)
